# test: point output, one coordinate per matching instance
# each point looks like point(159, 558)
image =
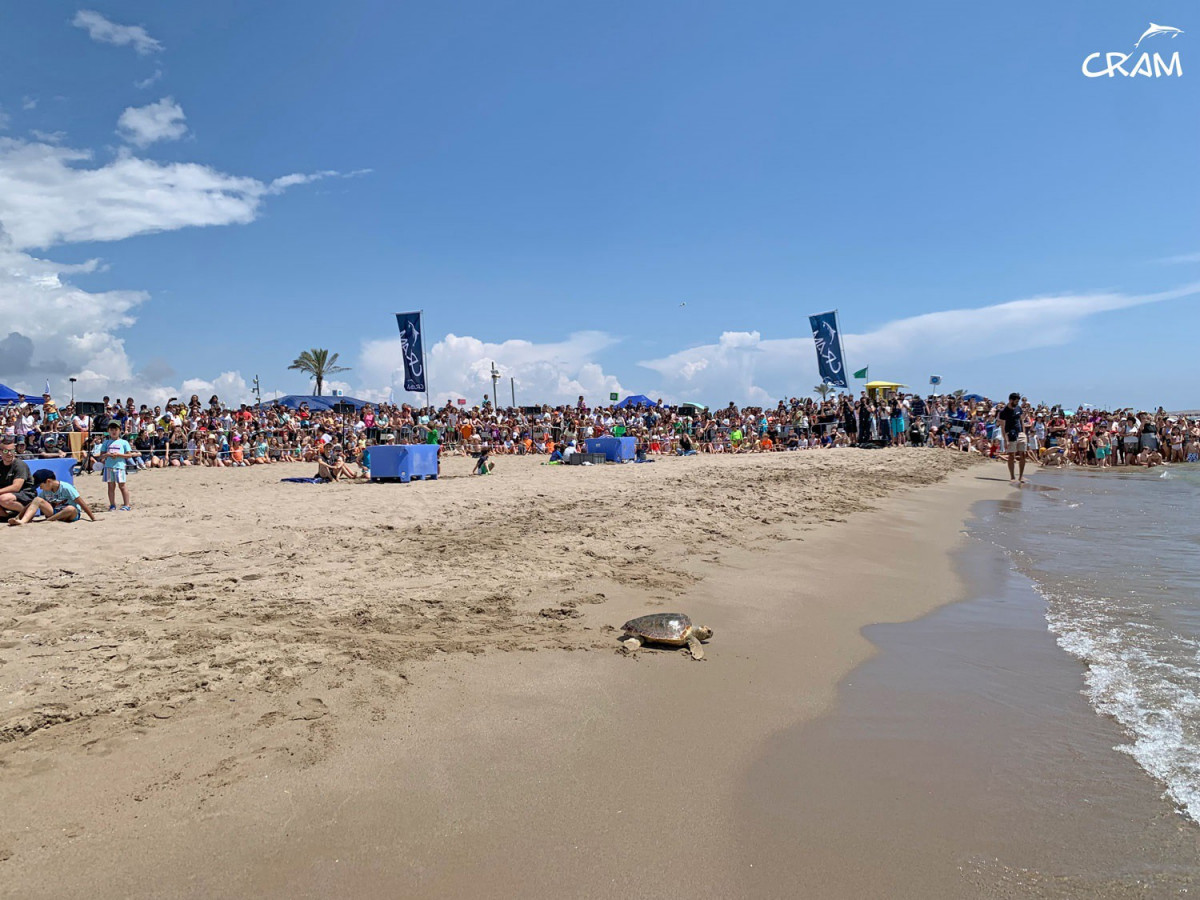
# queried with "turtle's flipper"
point(632, 643)
point(696, 648)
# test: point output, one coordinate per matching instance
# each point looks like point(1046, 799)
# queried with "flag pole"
point(424, 363)
point(842, 344)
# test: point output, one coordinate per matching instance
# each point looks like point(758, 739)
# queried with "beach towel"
point(305, 480)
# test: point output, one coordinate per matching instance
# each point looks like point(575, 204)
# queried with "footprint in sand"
point(310, 708)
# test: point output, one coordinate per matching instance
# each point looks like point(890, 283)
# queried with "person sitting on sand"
point(211, 453)
point(1149, 458)
point(483, 466)
point(237, 456)
point(334, 466)
point(16, 482)
point(56, 500)
point(1056, 457)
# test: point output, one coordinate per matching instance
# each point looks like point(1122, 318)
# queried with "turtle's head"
point(702, 632)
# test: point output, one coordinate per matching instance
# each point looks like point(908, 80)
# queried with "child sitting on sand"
point(1149, 458)
point(334, 467)
point(212, 453)
point(56, 500)
point(483, 466)
point(237, 456)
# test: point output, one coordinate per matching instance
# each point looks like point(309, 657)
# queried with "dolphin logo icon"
point(1156, 30)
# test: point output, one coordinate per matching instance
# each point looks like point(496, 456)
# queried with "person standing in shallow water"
point(1015, 442)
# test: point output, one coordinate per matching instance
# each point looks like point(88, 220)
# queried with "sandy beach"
point(243, 688)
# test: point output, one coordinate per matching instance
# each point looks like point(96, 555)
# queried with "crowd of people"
point(125, 435)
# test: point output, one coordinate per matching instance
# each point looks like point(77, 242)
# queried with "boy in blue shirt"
point(114, 451)
point(56, 500)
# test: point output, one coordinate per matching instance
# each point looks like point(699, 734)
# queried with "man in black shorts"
point(16, 483)
point(1015, 445)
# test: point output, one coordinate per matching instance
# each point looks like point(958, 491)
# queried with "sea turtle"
point(675, 629)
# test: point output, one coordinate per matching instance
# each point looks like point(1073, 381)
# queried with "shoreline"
point(550, 774)
point(962, 760)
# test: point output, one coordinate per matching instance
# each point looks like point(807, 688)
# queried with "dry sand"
point(243, 688)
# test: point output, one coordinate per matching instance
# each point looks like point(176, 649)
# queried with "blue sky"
point(550, 182)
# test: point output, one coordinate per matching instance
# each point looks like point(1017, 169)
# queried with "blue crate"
point(615, 449)
point(63, 469)
point(403, 462)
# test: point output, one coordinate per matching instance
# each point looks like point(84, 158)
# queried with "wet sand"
point(366, 719)
point(963, 760)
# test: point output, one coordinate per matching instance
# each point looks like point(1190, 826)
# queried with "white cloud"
point(231, 387)
point(742, 366)
point(461, 367)
point(5, 119)
point(161, 121)
point(147, 82)
point(103, 31)
point(29, 103)
point(47, 195)
point(53, 329)
point(1183, 258)
point(281, 184)
point(994, 330)
point(50, 328)
point(49, 137)
point(56, 329)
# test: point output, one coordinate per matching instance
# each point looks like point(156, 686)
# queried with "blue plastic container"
point(63, 469)
point(615, 449)
point(403, 462)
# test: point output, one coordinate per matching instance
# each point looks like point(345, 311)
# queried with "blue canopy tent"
point(973, 398)
point(318, 404)
point(8, 396)
point(636, 400)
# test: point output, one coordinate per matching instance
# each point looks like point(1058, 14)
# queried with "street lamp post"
point(72, 380)
point(495, 383)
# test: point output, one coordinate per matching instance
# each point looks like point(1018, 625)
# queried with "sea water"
point(1116, 555)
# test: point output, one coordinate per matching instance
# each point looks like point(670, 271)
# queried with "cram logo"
point(1147, 65)
point(409, 345)
point(827, 347)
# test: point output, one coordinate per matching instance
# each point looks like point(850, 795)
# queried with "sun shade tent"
point(318, 404)
point(635, 400)
point(8, 397)
point(973, 398)
point(690, 405)
point(877, 389)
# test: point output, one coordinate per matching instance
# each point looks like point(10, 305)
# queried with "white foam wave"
point(1155, 700)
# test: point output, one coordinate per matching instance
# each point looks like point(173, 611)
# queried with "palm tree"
point(318, 364)
point(824, 389)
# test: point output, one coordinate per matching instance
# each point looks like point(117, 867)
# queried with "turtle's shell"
point(665, 628)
